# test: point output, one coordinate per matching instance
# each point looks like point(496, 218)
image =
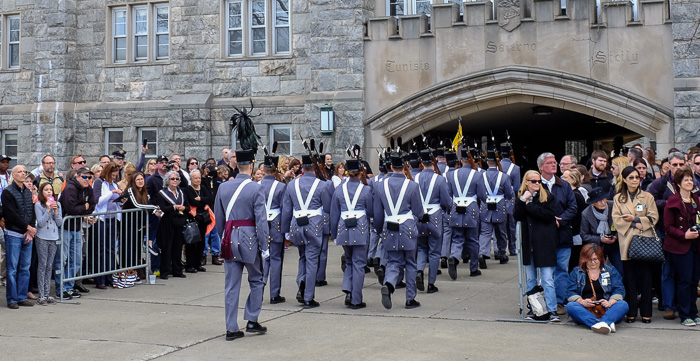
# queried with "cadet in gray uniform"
point(464, 216)
point(274, 193)
point(451, 161)
point(323, 256)
point(494, 192)
point(397, 207)
point(241, 203)
point(413, 163)
point(435, 197)
point(374, 252)
point(513, 172)
point(350, 209)
point(302, 217)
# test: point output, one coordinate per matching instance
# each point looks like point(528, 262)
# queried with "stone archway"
point(492, 88)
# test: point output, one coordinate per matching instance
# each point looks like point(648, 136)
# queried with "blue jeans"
point(561, 273)
point(547, 282)
point(18, 259)
point(583, 316)
point(70, 254)
point(213, 242)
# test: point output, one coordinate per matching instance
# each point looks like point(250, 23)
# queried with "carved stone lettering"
point(616, 56)
point(509, 14)
point(393, 66)
point(493, 47)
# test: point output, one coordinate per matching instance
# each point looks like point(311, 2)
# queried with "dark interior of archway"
point(532, 135)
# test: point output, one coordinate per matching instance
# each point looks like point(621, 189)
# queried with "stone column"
point(685, 15)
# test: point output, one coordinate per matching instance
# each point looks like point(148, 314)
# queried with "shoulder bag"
point(649, 249)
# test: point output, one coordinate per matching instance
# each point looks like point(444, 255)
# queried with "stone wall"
point(685, 15)
point(66, 93)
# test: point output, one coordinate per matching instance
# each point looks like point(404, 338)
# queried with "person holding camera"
point(595, 292)
point(682, 222)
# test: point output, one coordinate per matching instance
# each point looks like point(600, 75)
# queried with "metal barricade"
point(111, 243)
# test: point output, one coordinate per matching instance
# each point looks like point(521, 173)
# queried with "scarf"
point(602, 217)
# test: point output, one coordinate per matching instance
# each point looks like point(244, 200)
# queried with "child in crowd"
point(48, 223)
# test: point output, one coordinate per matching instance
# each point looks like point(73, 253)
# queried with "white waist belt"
point(494, 199)
point(464, 201)
point(308, 213)
point(272, 214)
point(400, 218)
point(352, 214)
point(431, 208)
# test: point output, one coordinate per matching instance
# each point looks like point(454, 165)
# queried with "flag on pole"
point(458, 137)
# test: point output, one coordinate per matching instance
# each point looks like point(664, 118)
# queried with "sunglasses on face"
point(633, 177)
point(193, 163)
point(678, 164)
point(175, 179)
point(534, 181)
point(80, 162)
point(86, 177)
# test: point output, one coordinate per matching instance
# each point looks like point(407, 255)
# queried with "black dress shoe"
point(179, 275)
point(513, 254)
point(630, 319)
point(401, 284)
point(380, 271)
point(420, 284)
point(482, 262)
point(189, 270)
point(348, 299)
point(82, 289)
point(646, 320)
point(203, 261)
point(367, 270)
point(300, 292)
point(321, 283)
point(342, 263)
point(504, 259)
point(254, 327)
point(452, 267)
point(432, 288)
point(386, 297)
point(496, 257)
point(311, 304)
point(358, 306)
point(277, 299)
point(230, 336)
point(201, 269)
point(475, 273)
point(215, 260)
point(486, 257)
point(443, 262)
point(439, 271)
point(412, 304)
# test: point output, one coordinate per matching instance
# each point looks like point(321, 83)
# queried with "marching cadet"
point(304, 202)
point(441, 161)
point(274, 191)
point(513, 172)
point(435, 197)
point(351, 207)
point(413, 163)
point(323, 256)
point(494, 192)
point(464, 216)
point(397, 206)
point(241, 203)
point(374, 252)
point(451, 160)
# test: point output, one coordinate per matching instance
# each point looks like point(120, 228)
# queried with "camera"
point(170, 165)
point(597, 303)
point(695, 228)
point(608, 235)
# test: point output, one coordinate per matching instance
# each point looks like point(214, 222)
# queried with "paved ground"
point(182, 319)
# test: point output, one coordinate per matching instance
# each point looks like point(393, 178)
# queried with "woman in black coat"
point(573, 177)
point(534, 209)
point(174, 205)
point(200, 197)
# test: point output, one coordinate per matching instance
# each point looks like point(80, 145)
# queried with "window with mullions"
point(10, 145)
point(114, 140)
point(282, 134)
point(150, 135)
point(9, 41)
point(257, 28)
point(410, 7)
point(140, 33)
point(396, 7)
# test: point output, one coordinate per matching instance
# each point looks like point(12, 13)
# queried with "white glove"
point(265, 254)
point(287, 236)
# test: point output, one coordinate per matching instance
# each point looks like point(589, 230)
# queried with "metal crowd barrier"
point(111, 242)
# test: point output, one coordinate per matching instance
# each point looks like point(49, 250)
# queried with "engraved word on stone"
point(492, 47)
point(392, 66)
point(621, 56)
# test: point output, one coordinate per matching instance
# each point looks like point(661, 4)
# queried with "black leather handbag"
point(190, 231)
point(649, 249)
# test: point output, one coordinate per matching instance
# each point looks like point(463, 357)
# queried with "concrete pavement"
point(183, 319)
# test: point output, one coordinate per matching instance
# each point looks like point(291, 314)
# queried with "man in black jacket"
point(76, 199)
point(19, 234)
point(598, 176)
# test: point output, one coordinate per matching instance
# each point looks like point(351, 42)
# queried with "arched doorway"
point(500, 98)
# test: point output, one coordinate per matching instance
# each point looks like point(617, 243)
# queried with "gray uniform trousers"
point(374, 250)
point(272, 268)
point(465, 240)
point(397, 261)
point(430, 246)
point(234, 272)
point(323, 255)
point(309, 255)
point(354, 276)
point(485, 240)
point(446, 236)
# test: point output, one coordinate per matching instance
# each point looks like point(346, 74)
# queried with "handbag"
point(537, 303)
point(649, 249)
point(190, 231)
point(597, 309)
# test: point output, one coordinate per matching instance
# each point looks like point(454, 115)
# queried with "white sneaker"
point(601, 327)
point(612, 328)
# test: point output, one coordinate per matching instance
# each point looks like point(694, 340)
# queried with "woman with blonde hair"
point(534, 208)
point(129, 169)
point(616, 167)
point(573, 177)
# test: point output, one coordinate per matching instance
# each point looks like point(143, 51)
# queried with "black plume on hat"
point(243, 125)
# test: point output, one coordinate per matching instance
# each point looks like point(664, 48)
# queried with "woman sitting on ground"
point(595, 293)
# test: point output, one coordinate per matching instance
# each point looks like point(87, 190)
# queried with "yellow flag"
point(458, 137)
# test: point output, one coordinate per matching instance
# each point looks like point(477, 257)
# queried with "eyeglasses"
point(81, 162)
point(534, 181)
point(86, 177)
point(193, 163)
point(633, 177)
point(175, 179)
point(565, 164)
point(678, 164)
point(697, 163)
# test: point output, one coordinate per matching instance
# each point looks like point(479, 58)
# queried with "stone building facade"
point(96, 75)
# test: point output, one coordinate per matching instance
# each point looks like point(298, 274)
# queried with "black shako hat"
point(396, 160)
point(464, 152)
point(440, 152)
point(426, 156)
point(306, 160)
point(353, 165)
point(245, 156)
point(450, 157)
point(505, 150)
point(270, 161)
point(491, 154)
